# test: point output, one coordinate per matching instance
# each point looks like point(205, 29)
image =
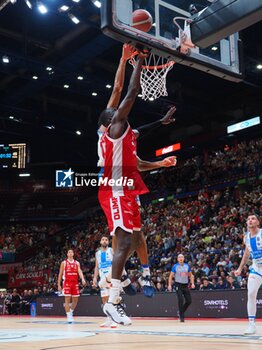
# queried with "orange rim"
point(161, 66)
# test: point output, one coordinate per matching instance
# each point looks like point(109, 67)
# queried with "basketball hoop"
point(153, 75)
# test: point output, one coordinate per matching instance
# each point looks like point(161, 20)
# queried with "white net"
point(153, 76)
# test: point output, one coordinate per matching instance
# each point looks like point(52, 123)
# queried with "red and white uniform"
point(118, 198)
point(70, 278)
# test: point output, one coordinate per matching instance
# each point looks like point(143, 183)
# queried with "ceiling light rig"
point(29, 4)
point(41, 6)
point(73, 18)
point(96, 3)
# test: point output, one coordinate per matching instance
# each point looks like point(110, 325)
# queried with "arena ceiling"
point(55, 66)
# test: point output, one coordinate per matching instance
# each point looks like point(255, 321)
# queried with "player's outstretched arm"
point(120, 117)
point(142, 130)
point(61, 271)
point(114, 100)
point(143, 165)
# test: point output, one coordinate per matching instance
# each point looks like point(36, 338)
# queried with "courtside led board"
point(170, 35)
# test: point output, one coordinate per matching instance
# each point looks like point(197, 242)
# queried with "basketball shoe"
point(108, 323)
point(251, 329)
point(117, 313)
point(70, 318)
point(147, 286)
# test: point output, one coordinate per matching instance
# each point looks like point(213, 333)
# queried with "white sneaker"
point(251, 329)
point(113, 325)
point(70, 318)
point(117, 313)
point(107, 323)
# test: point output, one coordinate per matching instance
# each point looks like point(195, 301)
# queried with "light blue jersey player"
point(253, 250)
point(104, 258)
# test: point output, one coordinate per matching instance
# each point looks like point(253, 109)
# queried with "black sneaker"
point(127, 286)
point(181, 318)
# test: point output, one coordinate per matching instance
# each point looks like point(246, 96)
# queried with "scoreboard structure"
point(13, 155)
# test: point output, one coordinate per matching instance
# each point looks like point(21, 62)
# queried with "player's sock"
point(252, 319)
point(114, 293)
point(71, 311)
point(146, 270)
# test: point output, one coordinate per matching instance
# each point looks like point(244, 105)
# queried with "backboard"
point(172, 39)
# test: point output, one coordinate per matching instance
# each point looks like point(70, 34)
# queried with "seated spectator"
point(231, 283)
point(14, 303)
point(24, 308)
point(206, 285)
point(221, 284)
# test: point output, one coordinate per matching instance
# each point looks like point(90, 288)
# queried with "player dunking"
point(253, 243)
point(118, 202)
point(104, 258)
point(70, 271)
point(119, 153)
point(138, 239)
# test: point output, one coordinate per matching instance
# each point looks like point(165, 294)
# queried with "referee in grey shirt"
point(182, 272)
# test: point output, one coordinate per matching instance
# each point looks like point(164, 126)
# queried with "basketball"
point(142, 20)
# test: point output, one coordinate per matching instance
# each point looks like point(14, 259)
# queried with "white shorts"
point(256, 269)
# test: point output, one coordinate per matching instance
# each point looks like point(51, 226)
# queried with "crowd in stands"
point(207, 228)
point(234, 162)
point(16, 237)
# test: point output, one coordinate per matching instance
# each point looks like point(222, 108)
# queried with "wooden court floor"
point(45, 333)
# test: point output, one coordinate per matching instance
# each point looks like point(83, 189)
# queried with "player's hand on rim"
point(127, 51)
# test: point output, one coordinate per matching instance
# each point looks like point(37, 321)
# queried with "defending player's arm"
point(120, 77)
point(81, 275)
point(143, 165)
point(170, 280)
point(120, 117)
point(243, 262)
point(94, 283)
point(192, 280)
point(61, 272)
point(143, 130)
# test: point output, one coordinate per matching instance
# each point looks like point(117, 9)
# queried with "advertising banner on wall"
point(213, 304)
point(27, 278)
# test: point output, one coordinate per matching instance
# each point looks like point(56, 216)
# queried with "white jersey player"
point(104, 258)
point(253, 250)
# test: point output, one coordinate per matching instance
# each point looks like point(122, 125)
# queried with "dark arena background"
point(58, 64)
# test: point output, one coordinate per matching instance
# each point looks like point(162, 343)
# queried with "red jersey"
point(71, 271)
point(121, 176)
